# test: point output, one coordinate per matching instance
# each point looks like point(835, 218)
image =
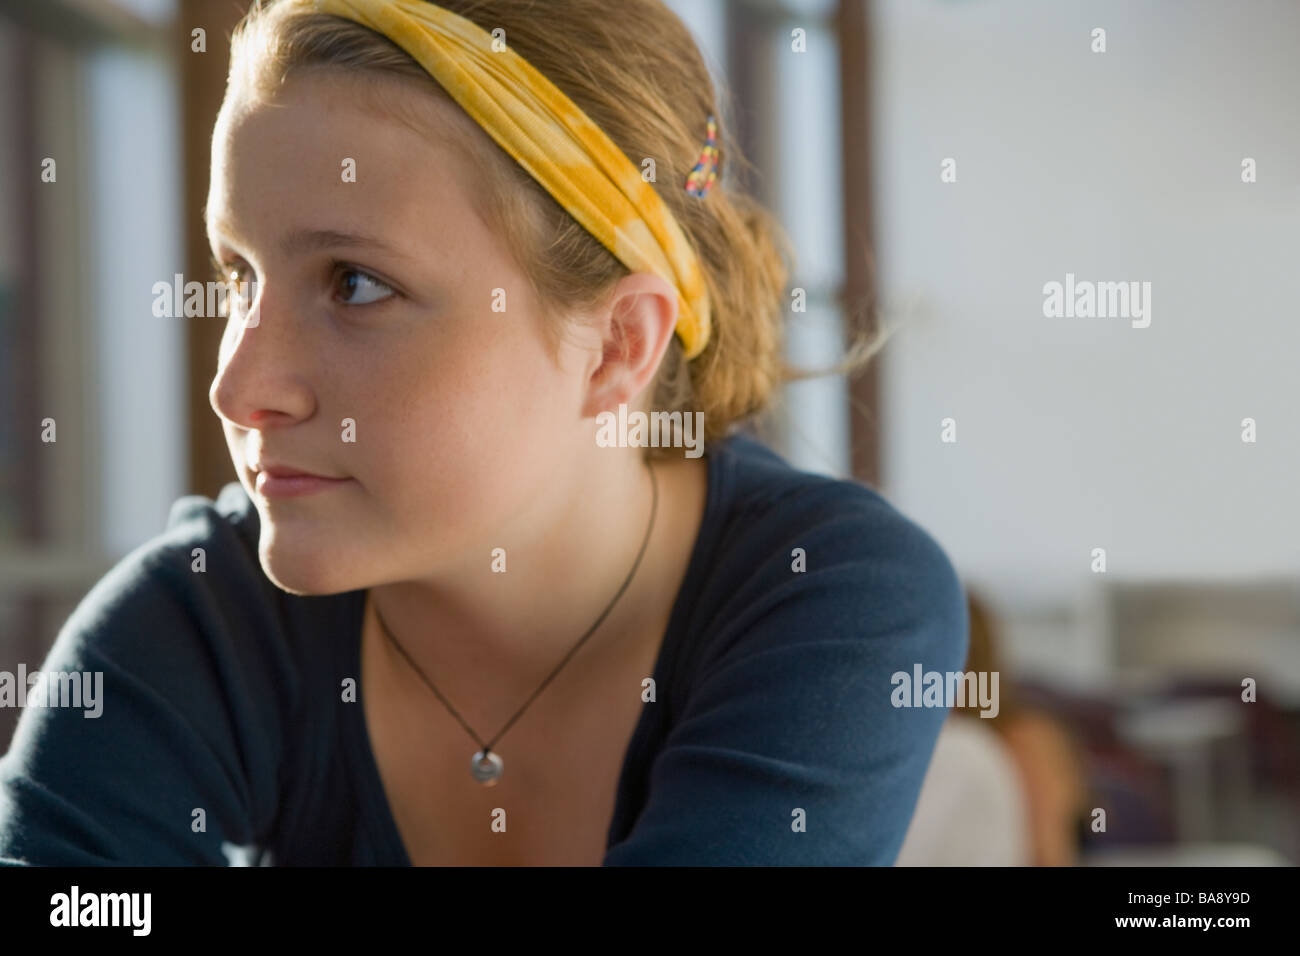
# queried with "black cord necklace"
point(486, 765)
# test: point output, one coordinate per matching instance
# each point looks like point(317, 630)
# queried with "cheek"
point(493, 385)
point(487, 414)
point(463, 446)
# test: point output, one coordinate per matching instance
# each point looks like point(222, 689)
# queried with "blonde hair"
point(650, 90)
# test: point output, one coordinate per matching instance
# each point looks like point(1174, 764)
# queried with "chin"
point(305, 573)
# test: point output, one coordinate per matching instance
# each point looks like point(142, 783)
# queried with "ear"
point(636, 325)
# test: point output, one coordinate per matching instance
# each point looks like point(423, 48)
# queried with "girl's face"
point(392, 343)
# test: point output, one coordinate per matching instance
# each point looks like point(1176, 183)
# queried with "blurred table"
point(1201, 741)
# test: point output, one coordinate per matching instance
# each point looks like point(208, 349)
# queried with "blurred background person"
point(1004, 790)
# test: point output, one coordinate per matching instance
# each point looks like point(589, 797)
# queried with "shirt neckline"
point(376, 811)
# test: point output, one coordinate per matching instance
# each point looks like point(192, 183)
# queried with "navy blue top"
point(222, 692)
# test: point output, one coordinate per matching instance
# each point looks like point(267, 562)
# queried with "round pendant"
point(486, 769)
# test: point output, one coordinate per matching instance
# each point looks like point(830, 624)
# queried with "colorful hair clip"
point(705, 173)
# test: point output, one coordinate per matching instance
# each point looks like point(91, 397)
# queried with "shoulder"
point(773, 504)
point(188, 630)
point(783, 745)
point(189, 609)
point(196, 516)
point(198, 530)
point(201, 566)
point(836, 552)
point(193, 684)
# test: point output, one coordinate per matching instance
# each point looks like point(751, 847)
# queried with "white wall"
point(1124, 165)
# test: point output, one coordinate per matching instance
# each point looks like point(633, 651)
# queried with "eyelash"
point(221, 272)
point(339, 268)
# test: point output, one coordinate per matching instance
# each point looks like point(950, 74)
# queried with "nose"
point(261, 374)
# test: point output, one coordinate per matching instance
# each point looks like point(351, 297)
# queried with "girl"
point(442, 618)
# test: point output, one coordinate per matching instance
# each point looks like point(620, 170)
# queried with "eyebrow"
point(302, 241)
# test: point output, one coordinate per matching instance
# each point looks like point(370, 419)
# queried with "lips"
point(275, 480)
point(284, 471)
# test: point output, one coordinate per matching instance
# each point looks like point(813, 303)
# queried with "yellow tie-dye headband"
point(554, 140)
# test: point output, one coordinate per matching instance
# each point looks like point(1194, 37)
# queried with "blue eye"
point(354, 287)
